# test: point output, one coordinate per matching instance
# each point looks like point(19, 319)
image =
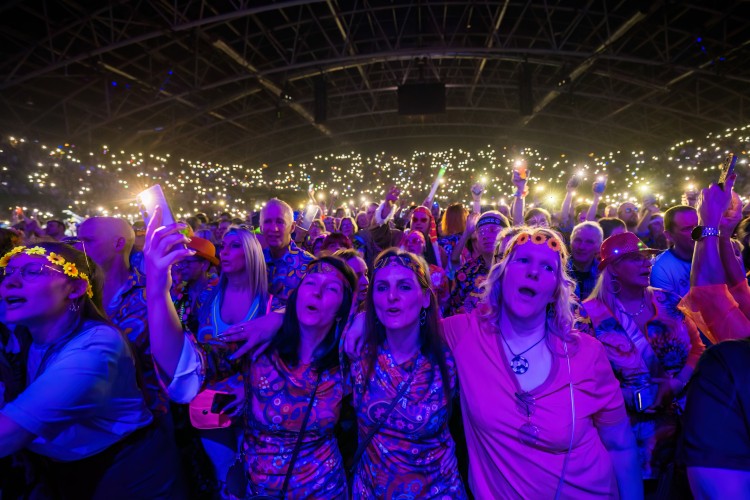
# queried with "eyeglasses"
point(488, 229)
point(29, 272)
point(74, 241)
point(628, 210)
point(528, 433)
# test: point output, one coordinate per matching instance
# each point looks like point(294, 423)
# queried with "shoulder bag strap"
point(298, 444)
point(363, 446)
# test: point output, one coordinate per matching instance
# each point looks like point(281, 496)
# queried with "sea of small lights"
point(64, 179)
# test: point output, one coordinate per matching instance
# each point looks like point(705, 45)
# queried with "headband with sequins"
point(525, 237)
point(322, 267)
point(68, 268)
point(402, 260)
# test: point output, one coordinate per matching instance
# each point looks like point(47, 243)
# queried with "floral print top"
point(467, 288)
point(640, 358)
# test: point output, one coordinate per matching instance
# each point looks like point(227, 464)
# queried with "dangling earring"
point(74, 307)
point(423, 317)
point(615, 286)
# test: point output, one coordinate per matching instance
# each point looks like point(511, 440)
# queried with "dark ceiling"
point(206, 79)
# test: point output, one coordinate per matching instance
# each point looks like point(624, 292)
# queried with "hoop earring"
point(423, 317)
point(615, 286)
point(74, 307)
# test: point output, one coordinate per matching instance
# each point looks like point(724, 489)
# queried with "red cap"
point(621, 244)
point(203, 248)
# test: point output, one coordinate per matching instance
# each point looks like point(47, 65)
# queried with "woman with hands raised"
point(294, 388)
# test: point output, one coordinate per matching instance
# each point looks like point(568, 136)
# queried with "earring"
point(423, 317)
point(615, 286)
point(74, 307)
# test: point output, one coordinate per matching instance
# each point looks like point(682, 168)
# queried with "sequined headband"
point(321, 267)
point(537, 239)
point(403, 261)
point(68, 268)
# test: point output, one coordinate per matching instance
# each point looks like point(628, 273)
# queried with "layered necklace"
point(518, 363)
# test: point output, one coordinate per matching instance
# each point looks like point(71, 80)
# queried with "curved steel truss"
point(235, 80)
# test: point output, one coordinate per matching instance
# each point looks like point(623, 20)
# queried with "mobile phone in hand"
point(149, 199)
point(727, 168)
point(221, 400)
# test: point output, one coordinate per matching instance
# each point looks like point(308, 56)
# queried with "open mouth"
point(14, 301)
point(527, 292)
point(312, 308)
point(393, 310)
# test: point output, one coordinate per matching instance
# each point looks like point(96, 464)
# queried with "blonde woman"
point(543, 412)
point(652, 346)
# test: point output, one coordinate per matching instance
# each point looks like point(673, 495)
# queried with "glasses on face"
point(29, 272)
point(528, 433)
point(628, 210)
point(74, 242)
point(488, 229)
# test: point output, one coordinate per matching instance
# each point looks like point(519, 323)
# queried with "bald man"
point(108, 241)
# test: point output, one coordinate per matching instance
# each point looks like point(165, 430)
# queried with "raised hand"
point(163, 248)
point(714, 201)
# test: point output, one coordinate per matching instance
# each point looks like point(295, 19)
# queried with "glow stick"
point(435, 185)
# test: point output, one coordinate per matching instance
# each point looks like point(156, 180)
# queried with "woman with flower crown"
point(652, 346)
point(81, 410)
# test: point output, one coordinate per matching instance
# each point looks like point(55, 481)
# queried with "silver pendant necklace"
point(518, 363)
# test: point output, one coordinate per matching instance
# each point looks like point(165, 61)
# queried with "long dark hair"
point(326, 354)
point(431, 342)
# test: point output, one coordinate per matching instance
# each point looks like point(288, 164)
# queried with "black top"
point(717, 414)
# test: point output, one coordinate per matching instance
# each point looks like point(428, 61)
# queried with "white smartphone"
point(149, 199)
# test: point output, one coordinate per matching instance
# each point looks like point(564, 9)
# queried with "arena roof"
point(235, 80)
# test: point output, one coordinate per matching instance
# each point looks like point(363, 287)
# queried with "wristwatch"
point(700, 232)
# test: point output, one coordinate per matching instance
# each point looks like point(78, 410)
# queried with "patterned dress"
point(672, 342)
point(404, 458)
point(467, 290)
point(279, 397)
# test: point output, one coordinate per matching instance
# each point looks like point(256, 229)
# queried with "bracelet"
point(519, 195)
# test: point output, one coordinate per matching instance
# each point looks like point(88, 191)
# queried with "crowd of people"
point(397, 352)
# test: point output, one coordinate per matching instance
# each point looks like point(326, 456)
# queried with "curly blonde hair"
point(560, 317)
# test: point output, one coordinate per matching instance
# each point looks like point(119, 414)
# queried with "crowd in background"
point(399, 351)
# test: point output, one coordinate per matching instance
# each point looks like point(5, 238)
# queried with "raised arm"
point(471, 223)
point(164, 247)
point(518, 207)
point(567, 202)
point(598, 191)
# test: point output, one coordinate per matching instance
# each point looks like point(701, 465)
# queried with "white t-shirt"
point(671, 273)
point(85, 399)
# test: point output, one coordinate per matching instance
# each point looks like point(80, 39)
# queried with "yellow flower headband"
point(536, 238)
point(68, 268)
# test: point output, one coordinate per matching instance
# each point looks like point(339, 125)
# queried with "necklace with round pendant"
point(518, 363)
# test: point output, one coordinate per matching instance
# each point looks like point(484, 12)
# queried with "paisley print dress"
point(404, 458)
point(279, 395)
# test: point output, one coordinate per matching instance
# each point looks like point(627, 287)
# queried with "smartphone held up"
point(151, 198)
point(727, 168)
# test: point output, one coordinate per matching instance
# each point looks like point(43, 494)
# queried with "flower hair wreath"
point(536, 238)
point(68, 268)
